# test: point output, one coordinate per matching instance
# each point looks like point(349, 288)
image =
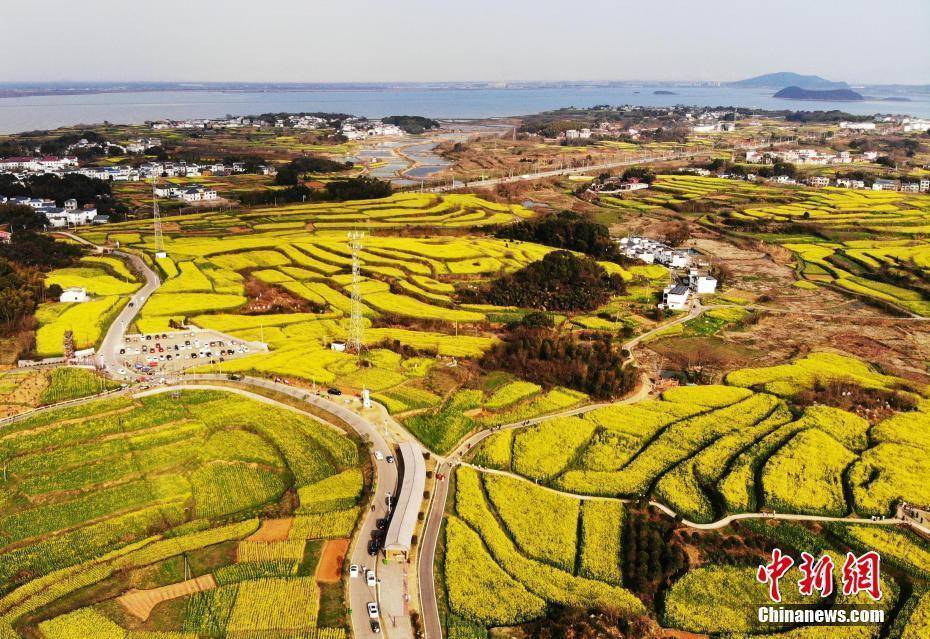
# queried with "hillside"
point(788, 78)
point(797, 93)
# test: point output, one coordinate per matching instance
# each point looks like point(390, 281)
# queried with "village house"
point(850, 183)
point(701, 284)
point(676, 297)
point(886, 185)
point(197, 194)
point(74, 294)
point(818, 180)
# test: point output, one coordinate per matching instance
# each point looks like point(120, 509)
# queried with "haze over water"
point(48, 112)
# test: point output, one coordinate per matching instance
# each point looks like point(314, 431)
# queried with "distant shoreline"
point(38, 89)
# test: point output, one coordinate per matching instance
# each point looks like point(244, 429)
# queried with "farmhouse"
point(886, 185)
point(675, 297)
point(850, 183)
point(818, 180)
point(197, 194)
point(701, 284)
point(617, 185)
point(404, 517)
point(74, 294)
point(650, 251)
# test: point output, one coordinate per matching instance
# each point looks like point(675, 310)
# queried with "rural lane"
point(391, 592)
point(107, 355)
point(591, 168)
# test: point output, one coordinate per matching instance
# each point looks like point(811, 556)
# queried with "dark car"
point(382, 523)
point(373, 547)
point(334, 391)
point(377, 535)
point(375, 626)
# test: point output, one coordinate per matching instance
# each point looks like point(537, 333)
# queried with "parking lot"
point(158, 354)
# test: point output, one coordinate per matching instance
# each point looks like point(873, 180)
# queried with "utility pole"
point(356, 321)
point(156, 219)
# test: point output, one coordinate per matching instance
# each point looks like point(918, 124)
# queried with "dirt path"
point(140, 603)
point(273, 530)
point(329, 570)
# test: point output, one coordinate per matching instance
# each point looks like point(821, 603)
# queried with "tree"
point(565, 230)
point(20, 217)
point(641, 173)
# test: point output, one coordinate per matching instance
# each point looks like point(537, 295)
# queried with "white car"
point(379, 455)
point(370, 578)
point(372, 610)
point(353, 570)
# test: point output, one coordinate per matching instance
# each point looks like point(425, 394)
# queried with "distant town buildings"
point(58, 217)
point(358, 129)
point(802, 156)
point(652, 251)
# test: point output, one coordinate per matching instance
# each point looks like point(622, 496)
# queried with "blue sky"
point(496, 40)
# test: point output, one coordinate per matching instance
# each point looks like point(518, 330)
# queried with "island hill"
point(833, 95)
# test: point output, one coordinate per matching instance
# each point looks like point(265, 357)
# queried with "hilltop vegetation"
point(561, 281)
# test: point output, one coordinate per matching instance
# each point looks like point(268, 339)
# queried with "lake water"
point(47, 112)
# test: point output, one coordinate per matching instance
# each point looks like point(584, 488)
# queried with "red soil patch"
point(329, 569)
point(273, 530)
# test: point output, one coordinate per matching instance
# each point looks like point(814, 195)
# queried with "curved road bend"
point(108, 354)
point(389, 592)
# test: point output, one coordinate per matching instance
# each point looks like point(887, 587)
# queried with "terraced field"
point(108, 282)
point(215, 261)
point(867, 243)
point(512, 548)
point(130, 493)
point(705, 451)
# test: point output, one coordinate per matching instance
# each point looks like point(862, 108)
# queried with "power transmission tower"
point(356, 322)
point(156, 216)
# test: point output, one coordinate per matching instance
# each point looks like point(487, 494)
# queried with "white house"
point(885, 185)
point(818, 180)
point(198, 194)
point(850, 183)
point(858, 126)
point(676, 297)
point(73, 294)
point(702, 284)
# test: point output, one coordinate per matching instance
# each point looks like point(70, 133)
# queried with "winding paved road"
point(107, 356)
point(391, 592)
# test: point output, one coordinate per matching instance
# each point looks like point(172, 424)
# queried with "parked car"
point(375, 626)
point(334, 391)
point(382, 523)
point(353, 570)
point(372, 610)
point(390, 459)
point(371, 579)
point(373, 548)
